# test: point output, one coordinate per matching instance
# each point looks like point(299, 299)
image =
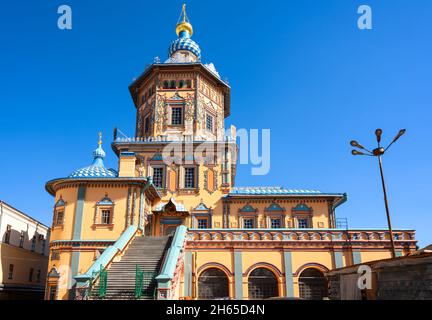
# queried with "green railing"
point(103, 280)
point(139, 274)
point(149, 283)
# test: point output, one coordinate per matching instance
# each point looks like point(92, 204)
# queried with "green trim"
point(79, 211)
point(289, 283)
point(399, 253)
point(238, 274)
point(338, 258)
point(356, 257)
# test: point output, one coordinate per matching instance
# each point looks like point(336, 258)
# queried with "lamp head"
point(378, 133)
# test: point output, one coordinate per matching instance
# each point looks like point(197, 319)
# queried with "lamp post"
point(378, 152)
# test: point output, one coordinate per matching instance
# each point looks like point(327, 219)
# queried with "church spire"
point(184, 27)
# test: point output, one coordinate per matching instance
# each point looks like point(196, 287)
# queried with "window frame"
point(163, 176)
point(103, 217)
point(181, 115)
point(11, 271)
point(186, 169)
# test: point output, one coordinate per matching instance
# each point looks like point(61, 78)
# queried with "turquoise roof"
point(96, 169)
point(271, 191)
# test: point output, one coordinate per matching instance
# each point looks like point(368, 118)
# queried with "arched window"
point(165, 84)
point(313, 285)
point(172, 84)
point(262, 284)
point(213, 284)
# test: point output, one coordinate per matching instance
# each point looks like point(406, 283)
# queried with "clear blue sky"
point(301, 68)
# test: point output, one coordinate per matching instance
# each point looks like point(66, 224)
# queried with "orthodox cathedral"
point(170, 222)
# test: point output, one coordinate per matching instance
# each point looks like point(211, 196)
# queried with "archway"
point(313, 284)
point(262, 284)
point(213, 284)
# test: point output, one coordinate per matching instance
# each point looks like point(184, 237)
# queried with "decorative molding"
point(314, 265)
point(265, 265)
point(216, 265)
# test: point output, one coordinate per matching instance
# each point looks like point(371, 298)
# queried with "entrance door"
point(169, 230)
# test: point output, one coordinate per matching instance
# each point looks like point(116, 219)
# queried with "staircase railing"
point(87, 280)
point(103, 280)
point(139, 277)
point(168, 279)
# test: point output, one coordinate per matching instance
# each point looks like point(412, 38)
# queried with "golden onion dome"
point(184, 26)
point(183, 23)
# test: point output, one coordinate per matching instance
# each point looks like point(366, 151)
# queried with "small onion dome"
point(97, 168)
point(184, 31)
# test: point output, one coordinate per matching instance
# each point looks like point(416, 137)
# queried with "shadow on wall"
point(23, 265)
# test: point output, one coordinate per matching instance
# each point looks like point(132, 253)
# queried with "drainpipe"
point(142, 196)
point(337, 204)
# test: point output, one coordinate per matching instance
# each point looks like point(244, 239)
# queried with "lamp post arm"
point(393, 251)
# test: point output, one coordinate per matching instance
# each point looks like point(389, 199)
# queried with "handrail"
point(106, 257)
point(173, 254)
point(167, 280)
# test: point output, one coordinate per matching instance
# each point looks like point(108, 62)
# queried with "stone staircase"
point(145, 252)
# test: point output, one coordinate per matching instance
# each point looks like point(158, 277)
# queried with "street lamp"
point(378, 152)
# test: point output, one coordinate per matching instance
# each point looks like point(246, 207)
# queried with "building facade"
point(24, 249)
point(176, 178)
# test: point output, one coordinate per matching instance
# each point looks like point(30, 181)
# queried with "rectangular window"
point(43, 246)
point(59, 218)
point(21, 243)
point(106, 216)
point(202, 224)
point(248, 223)
point(11, 270)
point(189, 178)
point(38, 276)
point(158, 175)
point(33, 244)
point(8, 234)
point(147, 125)
point(52, 293)
point(303, 223)
point(176, 116)
point(209, 123)
point(31, 275)
point(55, 255)
point(276, 223)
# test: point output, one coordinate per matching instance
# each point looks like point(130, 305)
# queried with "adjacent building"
point(176, 180)
point(24, 250)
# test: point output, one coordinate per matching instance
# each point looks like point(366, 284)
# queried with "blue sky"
point(301, 68)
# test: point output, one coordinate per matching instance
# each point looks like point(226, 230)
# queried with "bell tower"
point(182, 98)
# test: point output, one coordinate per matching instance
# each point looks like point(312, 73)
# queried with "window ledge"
point(103, 226)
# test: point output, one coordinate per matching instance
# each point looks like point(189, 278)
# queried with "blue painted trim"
point(188, 275)
point(171, 221)
point(108, 254)
point(399, 253)
point(238, 274)
point(356, 257)
point(338, 258)
point(289, 282)
point(172, 255)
